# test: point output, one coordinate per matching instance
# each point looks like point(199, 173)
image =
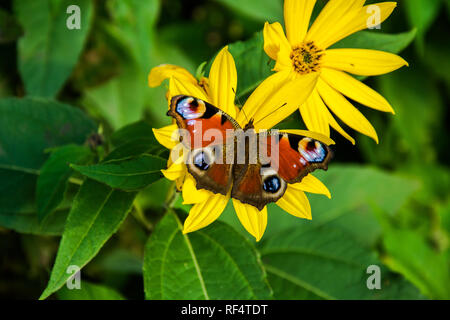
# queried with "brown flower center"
point(306, 58)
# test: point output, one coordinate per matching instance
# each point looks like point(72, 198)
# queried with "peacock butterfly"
point(254, 167)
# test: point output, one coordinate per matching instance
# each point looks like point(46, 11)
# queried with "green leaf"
point(54, 176)
point(49, 50)
point(325, 262)
point(260, 10)
point(134, 22)
point(136, 130)
point(212, 263)
point(89, 291)
point(96, 214)
point(27, 128)
point(136, 148)
point(118, 261)
point(421, 14)
point(409, 254)
point(252, 63)
point(393, 43)
point(120, 100)
point(132, 174)
point(133, 140)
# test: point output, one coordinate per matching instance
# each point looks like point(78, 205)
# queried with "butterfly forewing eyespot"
point(311, 150)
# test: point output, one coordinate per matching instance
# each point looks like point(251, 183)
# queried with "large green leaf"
point(89, 291)
point(96, 214)
point(213, 263)
point(261, 10)
point(54, 176)
point(409, 254)
point(27, 128)
point(49, 50)
point(325, 262)
point(132, 174)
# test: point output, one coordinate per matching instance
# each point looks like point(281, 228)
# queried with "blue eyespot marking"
point(201, 161)
point(272, 184)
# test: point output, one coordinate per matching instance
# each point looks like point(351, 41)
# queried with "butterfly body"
point(253, 167)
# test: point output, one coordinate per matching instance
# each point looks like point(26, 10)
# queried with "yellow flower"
point(220, 91)
point(303, 52)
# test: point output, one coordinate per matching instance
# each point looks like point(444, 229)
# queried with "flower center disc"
point(305, 58)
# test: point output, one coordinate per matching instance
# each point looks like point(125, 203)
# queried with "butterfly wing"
point(286, 159)
point(204, 134)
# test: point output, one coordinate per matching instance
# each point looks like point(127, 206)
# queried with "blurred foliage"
point(80, 97)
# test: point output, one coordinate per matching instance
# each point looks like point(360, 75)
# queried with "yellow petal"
point(355, 90)
point(333, 123)
point(176, 170)
point(167, 136)
point(312, 185)
point(284, 61)
point(204, 213)
point(314, 115)
point(296, 19)
point(178, 86)
point(261, 94)
point(335, 12)
point(344, 110)
point(295, 202)
point(276, 98)
point(274, 38)
point(314, 110)
point(362, 62)
point(253, 220)
point(358, 20)
point(165, 71)
point(190, 192)
point(311, 134)
point(223, 82)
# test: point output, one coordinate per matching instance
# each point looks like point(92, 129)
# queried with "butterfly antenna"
point(240, 103)
point(284, 104)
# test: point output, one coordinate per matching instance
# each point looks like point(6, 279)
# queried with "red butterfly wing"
point(205, 135)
